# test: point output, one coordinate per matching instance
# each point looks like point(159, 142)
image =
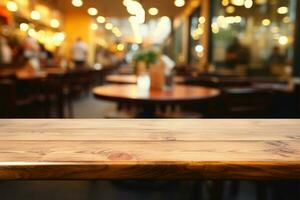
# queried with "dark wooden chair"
point(247, 103)
point(8, 106)
point(51, 95)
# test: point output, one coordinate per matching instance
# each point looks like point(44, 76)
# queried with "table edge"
point(273, 170)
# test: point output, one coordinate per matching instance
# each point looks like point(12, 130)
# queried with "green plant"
point(149, 57)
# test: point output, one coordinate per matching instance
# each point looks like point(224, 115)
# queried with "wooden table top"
point(132, 93)
point(26, 74)
point(31, 75)
point(132, 79)
point(121, 79)
point(149, 149)
point(276, 87)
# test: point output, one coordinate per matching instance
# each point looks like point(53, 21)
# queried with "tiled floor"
point(89, 107)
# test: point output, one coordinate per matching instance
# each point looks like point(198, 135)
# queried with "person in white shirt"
point(79, 53)
point(6, 52)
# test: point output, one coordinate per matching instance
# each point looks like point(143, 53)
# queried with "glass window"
point(178, 44)
point(195, 31)
point(254, 37)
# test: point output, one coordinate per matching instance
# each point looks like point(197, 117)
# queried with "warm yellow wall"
point(77, 24)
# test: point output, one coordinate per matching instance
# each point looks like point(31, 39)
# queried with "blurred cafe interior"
point(165, 59)
point(149, 59)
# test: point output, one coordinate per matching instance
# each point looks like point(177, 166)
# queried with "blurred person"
point(105, 58)
point(276, 57)
point(46, 56)
point(59, 59)
point(5, 51)
point(276, 62)
point(237, 54)
point(31, 50)
point(79, 53)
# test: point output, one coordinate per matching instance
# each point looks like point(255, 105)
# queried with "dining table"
point(133, 79)
point(136, 149)
point(149, 99)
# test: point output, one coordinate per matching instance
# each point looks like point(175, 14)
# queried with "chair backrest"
point(7, 99)
point(247, 103)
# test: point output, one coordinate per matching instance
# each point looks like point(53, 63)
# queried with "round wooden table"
point(132, 79)
point(149, 99)
point(24, 75)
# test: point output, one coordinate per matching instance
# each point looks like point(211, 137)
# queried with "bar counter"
point(149, 149)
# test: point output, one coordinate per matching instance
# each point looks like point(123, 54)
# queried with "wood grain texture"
point(149, 149)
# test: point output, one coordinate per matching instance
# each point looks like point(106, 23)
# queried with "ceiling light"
point(202, 20)
point(94, 26)
point(12, 6)
point(286, 19)
point(238, 2)
point(199, 48)
point(283, 40)
point(230, 9)
point(119, 34)
point(115, 30)
point(24, 27)
point(215, 28)
point(225, 2)
point(135, 9)
point(54, 23)
point(179, 3)
point(77, 3)
point(266, 22)
point(101, 19)
point(92, 11)
point(109, 26)
point(248, 4)
point(165, 19)
point(126, 2)
point(35, 15)
point(237, 19)
point(282, 10)
point(153, 11)
point(32, 33)
point(120, 47)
